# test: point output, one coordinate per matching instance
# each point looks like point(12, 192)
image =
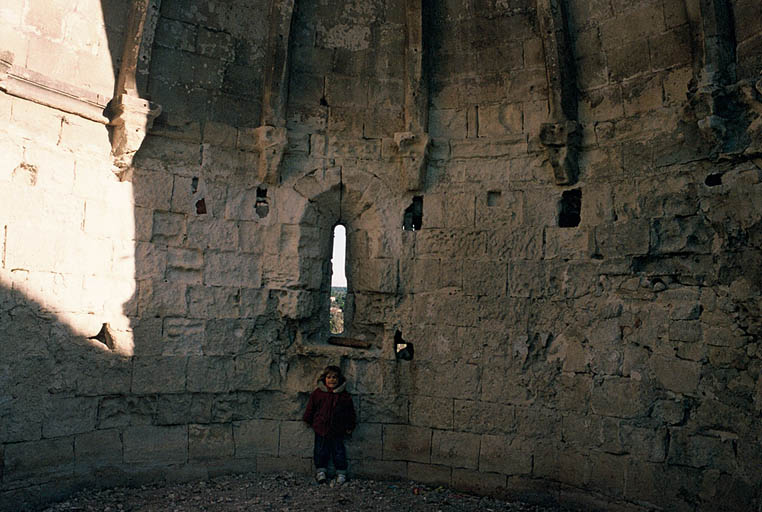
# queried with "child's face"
point(331, 380)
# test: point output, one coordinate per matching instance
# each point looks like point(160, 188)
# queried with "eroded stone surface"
point(615, 355)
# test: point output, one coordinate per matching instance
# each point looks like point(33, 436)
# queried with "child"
point(331, 414)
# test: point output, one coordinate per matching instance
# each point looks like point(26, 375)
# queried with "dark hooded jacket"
point(330, 413)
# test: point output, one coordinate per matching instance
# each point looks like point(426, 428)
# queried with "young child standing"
point(331, 414)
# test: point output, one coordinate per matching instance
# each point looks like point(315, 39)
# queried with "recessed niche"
point(413, 217)
point(713, 180)
point(570, 209)
point(261, 206)
point(493, 197)
point(403, 349)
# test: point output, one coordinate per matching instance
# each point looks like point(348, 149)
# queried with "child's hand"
point(349, 431)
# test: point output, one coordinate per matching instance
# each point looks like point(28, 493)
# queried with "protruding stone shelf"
point(348, 342)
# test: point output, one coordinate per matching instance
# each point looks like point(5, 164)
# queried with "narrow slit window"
point(338, 280)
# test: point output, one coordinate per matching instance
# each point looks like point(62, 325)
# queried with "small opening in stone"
point(570, 209)
point(413, 218)
point(713, 180)
point(402, 349)
point(194, 184)
point(338, 279)
point(201, 206)
point(261, 206)
point(493, 197)
point(104, 336)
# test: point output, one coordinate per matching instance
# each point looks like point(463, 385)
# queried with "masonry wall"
point(603, 356)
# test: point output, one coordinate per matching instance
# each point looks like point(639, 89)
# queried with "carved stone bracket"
point(132, 119)
point(271, 143)
point(413, 149)
point(561, 141)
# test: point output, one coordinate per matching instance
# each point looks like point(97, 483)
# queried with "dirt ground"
point(285, 492)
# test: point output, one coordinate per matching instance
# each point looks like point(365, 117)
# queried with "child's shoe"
point(341, 478)
point(320, 477)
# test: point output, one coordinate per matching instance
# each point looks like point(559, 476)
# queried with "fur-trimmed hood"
point(338, 389)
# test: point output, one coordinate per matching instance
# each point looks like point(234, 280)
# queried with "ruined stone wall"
point(581, 289)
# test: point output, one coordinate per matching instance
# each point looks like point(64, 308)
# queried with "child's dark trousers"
point(327, 448)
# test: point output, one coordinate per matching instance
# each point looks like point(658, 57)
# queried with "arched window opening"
point(338, 280)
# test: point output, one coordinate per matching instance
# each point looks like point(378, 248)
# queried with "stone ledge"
point(32, 86)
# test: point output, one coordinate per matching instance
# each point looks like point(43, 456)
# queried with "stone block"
point(602, 104)
point(671, 48)
point(628, 60)
point(210, 442)
point(182, 337)
point(484, 417)
point(40, 122)
point(65, 416)
point(98, 448)
point(478, 482)
point(681, 234)
point(156, 445)
point(365, 442)
point(152, 189)
point(219, 234)
point(214, 302)
point(253, 371)
point(449, 123)
point(160, 298)
point(484, 278)
point(504, 454)
point(231, 269)
point(622, 238)
point(173, 409)
point(619, 397)
point(81, 135)
point(380, 408)
point(447, 380)
point(607, 472)
point(643, 20)
point(227, 336)
point(296, 439)
point(38, 460)
point(688, 331)
point(427, 411)
point(168, 228)
point(256, 437)
point(642, 94)
point(208, 374)
point(568, 244)
point(676, 375)
point(402, 442)
point(455, 449)
point(429, 473)
point(164, 374)
point(105, 375)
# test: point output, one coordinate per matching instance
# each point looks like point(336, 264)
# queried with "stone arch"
point(371, 213)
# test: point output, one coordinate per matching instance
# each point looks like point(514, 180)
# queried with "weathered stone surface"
point(616, 357)
point(455, 449)
point(402, 442)
point(256, 437)
point(98, 448)
point(147, 444)
point(210, 442)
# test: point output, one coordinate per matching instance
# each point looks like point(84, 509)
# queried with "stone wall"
point(581, 290)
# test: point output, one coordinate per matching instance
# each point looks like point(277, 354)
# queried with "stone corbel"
point(412, 154)
point(561, 141)
point(132, 119)
point(271, 143)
